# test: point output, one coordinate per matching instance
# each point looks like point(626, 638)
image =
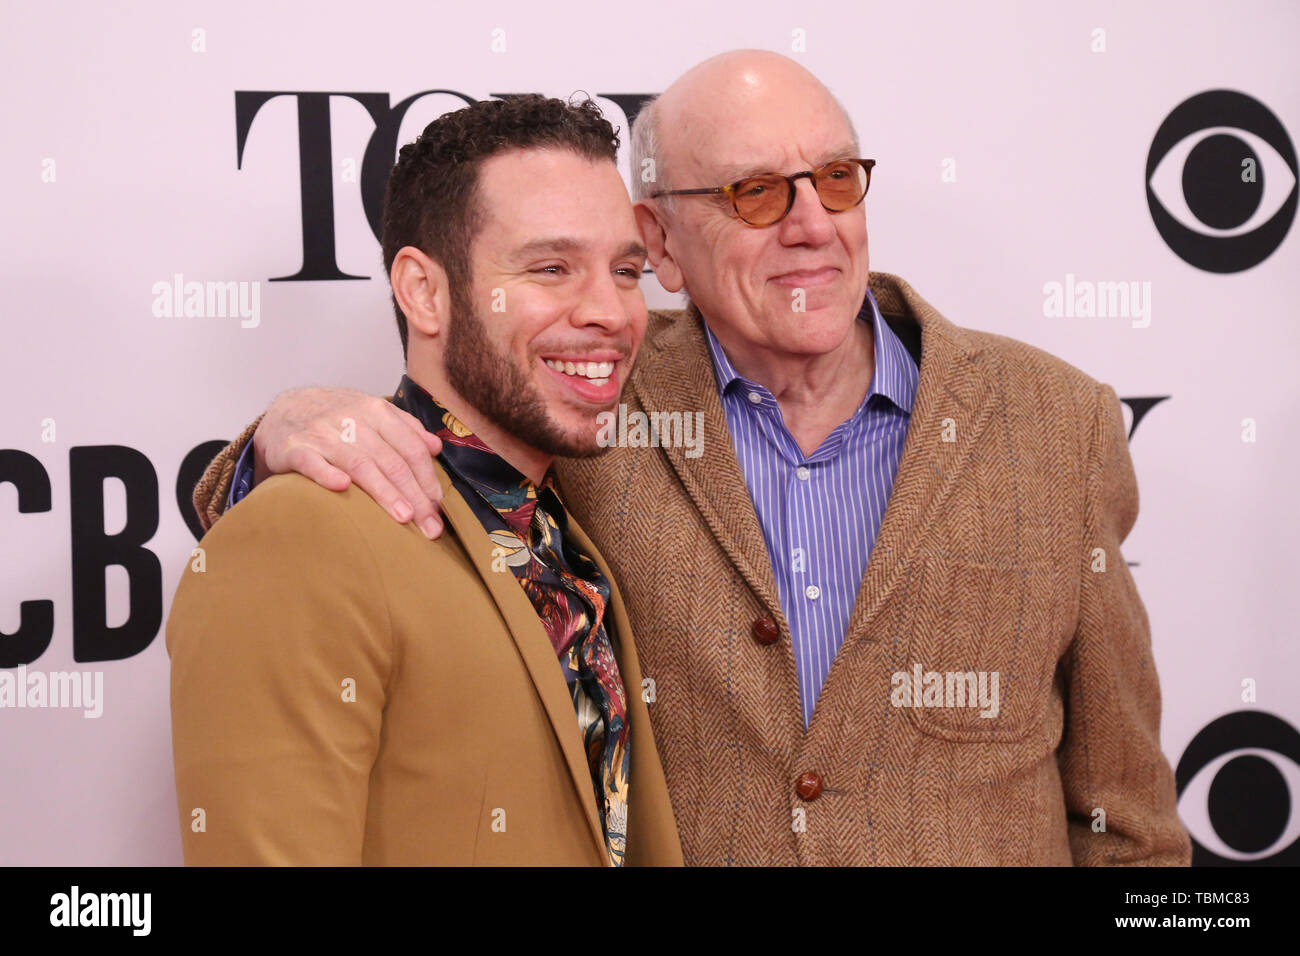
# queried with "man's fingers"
point(385, 475)
point(407, 436)
point(371, 479)
point(307, 461)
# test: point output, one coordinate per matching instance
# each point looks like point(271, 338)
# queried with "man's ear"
point(420, 287)
point(655, 237)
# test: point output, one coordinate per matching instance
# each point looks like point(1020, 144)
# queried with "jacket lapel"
point(954, 399)
point(652, 838)
point(679, 377)
point(532, 643)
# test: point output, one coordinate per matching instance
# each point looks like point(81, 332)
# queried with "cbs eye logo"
point(1235, 782)
point(1221, 181)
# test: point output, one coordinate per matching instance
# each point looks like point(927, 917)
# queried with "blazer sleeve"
point(281, 653)
point(1110, 757)
point(213, 487)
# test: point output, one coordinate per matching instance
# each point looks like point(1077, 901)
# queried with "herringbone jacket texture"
point(999, 552)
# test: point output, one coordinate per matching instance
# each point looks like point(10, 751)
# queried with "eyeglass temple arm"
point(689, 192)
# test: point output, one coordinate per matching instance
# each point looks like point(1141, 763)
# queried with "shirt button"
point(802, 473)
point(755, 398)
point(812, 592)
point(766, 631)
point(809, 786)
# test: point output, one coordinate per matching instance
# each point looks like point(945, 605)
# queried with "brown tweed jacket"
point(999, 552)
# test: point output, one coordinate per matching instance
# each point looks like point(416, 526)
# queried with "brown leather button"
point(766, 631)
point(809, 786)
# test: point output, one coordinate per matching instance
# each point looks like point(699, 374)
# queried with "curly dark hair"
point(431, 201)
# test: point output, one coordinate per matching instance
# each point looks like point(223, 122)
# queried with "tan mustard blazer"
point(344, 691)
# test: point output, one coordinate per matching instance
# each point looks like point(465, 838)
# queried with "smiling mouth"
point(597, 373)
point(808, 277)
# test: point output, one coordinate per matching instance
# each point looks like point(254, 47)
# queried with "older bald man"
point(884, 617)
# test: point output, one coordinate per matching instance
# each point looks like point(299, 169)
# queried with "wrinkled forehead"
point(726, 138)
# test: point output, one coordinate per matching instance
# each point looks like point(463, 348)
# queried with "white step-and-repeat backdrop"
point(1052, 172)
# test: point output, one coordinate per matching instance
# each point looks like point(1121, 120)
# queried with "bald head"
point(731, 103)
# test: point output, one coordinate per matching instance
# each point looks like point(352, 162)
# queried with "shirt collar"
point(894, 377)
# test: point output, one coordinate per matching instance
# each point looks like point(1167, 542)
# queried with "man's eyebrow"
point(559, 245)
point(551, 244)
point(632, 250)
point(731, 174)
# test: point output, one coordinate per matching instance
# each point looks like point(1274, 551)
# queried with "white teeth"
point(598, 372)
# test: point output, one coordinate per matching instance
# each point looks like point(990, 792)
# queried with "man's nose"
point(602, 303)
point(808, 220)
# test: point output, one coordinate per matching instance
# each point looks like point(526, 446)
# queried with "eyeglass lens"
point(762, 200)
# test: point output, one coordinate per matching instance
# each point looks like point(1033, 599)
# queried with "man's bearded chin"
point(494, 385)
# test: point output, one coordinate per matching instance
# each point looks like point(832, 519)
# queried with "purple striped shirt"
point(820, 513)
